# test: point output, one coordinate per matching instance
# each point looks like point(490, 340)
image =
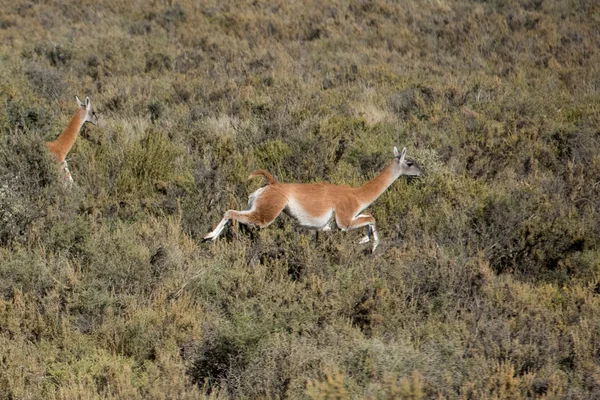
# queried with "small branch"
point(180, 291)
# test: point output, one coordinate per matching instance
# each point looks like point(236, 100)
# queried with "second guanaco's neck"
point(63, 143)
point(371, 190)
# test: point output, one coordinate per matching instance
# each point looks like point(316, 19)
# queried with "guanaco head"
point(90, 115)
point(404, 166)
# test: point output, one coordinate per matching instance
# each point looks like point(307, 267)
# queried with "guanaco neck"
point(370, 191)
point(63, 143)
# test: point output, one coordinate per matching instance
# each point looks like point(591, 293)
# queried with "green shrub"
point(56, 54)
point(485, 282)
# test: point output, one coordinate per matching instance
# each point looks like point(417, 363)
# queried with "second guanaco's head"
point(404, 166)
point(90, 114)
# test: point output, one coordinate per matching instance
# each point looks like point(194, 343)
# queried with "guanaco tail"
point(63, 143)
point(314, 204)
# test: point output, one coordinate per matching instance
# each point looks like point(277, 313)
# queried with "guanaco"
point(63, 143)
point(313, 205)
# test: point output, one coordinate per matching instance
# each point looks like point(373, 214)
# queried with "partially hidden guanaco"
point(64, 142)
point(313, 205)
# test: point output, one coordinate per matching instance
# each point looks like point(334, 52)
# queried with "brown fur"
point(63, 144)
point(313, 204)
point(65, 141)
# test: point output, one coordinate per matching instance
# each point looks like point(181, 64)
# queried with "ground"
point(486, 282)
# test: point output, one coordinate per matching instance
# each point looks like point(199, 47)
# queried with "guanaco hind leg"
point(266, 206)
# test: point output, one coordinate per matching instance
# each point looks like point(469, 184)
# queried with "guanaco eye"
point(409, 163)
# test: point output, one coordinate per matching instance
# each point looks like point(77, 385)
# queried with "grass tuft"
point(486, 280)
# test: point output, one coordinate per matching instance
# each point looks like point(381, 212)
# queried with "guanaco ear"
point(79, 103)
point(87, 103)
point(396, 154)
point(403, 154)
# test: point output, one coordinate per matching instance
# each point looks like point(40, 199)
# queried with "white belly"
point(305, 219)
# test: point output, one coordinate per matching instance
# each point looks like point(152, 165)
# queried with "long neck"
point(371, 190)
point(66, 139)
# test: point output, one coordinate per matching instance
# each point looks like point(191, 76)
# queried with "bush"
point(29, 186)
point(56, 54)
point(485, 282)
point(46, 82)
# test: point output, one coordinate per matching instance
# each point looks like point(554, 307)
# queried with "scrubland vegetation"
point(486, 284)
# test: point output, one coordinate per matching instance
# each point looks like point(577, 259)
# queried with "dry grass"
point(485, 285)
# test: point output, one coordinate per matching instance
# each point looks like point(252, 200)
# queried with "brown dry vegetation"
point(487, 280)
